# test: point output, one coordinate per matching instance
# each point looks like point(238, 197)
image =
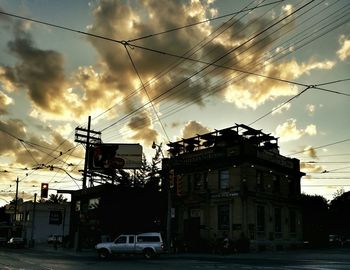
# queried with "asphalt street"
point(39, 259)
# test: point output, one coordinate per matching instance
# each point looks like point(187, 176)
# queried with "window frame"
point(226, 179)
point(223, 216)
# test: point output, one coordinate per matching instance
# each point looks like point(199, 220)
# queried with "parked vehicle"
point(149, 244)
point(16, 242)
point(54, 238)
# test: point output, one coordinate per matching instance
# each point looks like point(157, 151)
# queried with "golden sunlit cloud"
point(252, 93)
point(311, 152)
point(5, 100)
point(193, 128)
point(281, 109)
point(142, 128)
point(311, 167)
point(310, 108)
point(288, 131)
point(7, 79)
point(344, 50)
point(32, 149)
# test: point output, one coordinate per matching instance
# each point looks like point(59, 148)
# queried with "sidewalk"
point(49, 248)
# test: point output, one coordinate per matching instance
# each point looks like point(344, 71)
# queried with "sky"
point(159, 71)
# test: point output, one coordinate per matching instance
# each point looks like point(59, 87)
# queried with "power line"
point(325, 145)
point(281, 105)
point(325, 32)
point(331, 91)
point(332, 82)
point(315, 162)
point(212, 63)
point(201, 22)
point(144, 88)
point(190, 52)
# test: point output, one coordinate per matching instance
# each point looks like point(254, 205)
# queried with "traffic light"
point(44, 190)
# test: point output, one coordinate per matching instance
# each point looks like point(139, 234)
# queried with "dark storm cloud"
point(39, 71)
point(119, 21)
point(8, 144)
point(142, 128)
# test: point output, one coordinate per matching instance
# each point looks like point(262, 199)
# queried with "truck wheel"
point(103, 253)
point(148, 253)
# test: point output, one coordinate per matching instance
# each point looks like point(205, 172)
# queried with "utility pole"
point(87, 137)
point(16, 199)
point(33, 222)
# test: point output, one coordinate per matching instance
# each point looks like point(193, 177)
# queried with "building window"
point(205, 180)
point(260, 219)
point(197, 181)
point(292, 221)
point(259, 180)
point(19, 217)
point(55, 217)
point(27, 217)
point(77, 206)
point(189, 183)
point(94, 203)
point(276, 181)
point(291, 187)
point(278, 222)
point(223, 217)
point(224, 179)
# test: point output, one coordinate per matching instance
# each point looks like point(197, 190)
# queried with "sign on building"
point(55, 217)
point(106, 157)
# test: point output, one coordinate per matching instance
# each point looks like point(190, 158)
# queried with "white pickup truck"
point(149, 244)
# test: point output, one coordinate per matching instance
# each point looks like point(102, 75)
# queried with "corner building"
point(233, 182)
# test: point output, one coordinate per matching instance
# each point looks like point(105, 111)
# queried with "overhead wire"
point(318, 147)
point(201, 22)
point(288, 81)
point(314, 39)
point(217, 60)
point(304, 84)
point(144, 88)
point(189, 52)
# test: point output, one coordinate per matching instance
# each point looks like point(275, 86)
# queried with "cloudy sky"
point(205, 65)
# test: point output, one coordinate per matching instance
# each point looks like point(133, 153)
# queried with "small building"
point(234, 183)
point(36, 222)
point(102, 212)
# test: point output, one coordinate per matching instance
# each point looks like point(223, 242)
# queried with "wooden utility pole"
point(33, 222)
point(16, 199)
point(87, 137)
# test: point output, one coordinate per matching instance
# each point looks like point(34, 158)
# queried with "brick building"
point(233, 182)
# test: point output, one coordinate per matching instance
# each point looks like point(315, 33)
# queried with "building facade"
point(103, 212)
point(36, 222)
point(234, 183)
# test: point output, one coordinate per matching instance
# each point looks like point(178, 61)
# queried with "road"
point(28, 259)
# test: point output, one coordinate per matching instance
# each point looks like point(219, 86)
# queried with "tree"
point(56, 198)
point(339, 209)
point(315, 219)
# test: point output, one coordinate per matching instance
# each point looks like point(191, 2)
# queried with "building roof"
point(235, 134)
